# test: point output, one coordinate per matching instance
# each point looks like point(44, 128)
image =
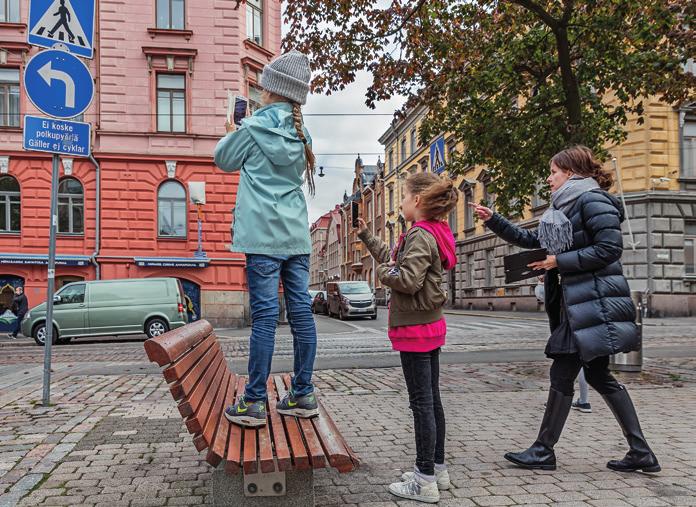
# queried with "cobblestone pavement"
point(117, 440)
point(114, 437)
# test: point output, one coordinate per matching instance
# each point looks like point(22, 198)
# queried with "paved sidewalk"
point(117, 439)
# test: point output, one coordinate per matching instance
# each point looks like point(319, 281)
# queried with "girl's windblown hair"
point(438, 195)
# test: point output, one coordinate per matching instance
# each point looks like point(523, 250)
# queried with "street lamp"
point(197, 195)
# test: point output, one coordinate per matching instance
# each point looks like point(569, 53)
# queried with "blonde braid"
point(309, 155)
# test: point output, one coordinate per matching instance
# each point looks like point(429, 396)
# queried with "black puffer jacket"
point(596, 295)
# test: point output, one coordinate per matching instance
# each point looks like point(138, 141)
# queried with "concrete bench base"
point(228, 490)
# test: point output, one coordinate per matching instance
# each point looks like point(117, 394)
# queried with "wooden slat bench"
point(272, 465)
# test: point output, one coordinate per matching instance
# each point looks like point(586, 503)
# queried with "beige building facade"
point(656, 168)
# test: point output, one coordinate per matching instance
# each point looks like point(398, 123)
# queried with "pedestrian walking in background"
point(417, 329)
point(20, 307)
point(587, 299)
point(273, 152)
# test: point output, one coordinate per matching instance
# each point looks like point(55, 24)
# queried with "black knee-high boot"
point(540, 455)
point(640, 457)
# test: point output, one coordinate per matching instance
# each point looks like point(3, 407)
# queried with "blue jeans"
point(263, 274)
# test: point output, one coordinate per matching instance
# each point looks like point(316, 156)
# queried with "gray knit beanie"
point(288, 76)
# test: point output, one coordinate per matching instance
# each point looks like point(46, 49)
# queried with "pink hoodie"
point(426, 337)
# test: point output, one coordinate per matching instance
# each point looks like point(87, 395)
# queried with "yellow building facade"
point(656, 168)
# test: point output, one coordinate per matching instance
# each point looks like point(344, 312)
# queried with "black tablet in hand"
point(516, 265)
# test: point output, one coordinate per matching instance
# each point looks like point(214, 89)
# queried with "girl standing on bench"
point(417, 327)
point(273, 152)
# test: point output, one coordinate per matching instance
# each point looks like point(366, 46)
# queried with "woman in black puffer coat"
point(587, 299)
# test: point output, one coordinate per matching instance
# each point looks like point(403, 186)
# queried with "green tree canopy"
point(515, 80)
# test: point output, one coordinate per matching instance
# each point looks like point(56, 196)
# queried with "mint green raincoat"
point(270, 216)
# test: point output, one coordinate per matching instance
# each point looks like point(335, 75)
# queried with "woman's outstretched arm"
point(506, 230)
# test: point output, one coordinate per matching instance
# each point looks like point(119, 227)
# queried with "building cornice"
point(401, 126)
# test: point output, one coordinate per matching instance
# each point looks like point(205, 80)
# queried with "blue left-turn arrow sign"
point(58, 83)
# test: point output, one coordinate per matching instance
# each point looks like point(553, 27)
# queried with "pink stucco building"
point(162, 69)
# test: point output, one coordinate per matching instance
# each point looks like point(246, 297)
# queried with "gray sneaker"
point(303, 406)
point(250, 415)
point(442, 479)
point(416, 489)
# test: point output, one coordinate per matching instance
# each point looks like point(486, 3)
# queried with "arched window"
point(71, 207)
point(10, 206)
point(171, 210)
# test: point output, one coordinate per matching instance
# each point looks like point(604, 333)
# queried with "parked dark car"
point(320, 304)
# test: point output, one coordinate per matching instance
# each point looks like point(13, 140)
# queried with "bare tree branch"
point(396, 30)
point(567, 11)
point(539, 11)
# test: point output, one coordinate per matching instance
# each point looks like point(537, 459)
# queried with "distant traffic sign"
point(437, 155)
point(58, 83)
point(67, 22)
point(56, 136)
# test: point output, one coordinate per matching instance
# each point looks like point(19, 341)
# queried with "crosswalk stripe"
point(501, 325)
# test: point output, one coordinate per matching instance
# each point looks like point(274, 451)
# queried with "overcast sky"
point(344, 134)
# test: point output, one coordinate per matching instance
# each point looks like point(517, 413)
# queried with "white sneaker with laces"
point(417, 489)
point(441, 478)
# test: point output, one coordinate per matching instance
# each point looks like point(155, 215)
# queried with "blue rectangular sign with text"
point(56, 136)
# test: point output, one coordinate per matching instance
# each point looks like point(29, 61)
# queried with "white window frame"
point(254, 14)
point(9, 11)
point(8, 199)
point(171, 205)
point(169, 25)
point(9, 96)
point(170, 92)
point(73, 201)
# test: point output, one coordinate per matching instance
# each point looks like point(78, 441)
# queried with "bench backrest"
point(202, 384)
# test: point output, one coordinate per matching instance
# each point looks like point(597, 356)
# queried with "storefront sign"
point(61, 260)
point(167, 262)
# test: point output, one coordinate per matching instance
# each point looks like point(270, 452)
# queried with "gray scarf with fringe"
point(555, 230)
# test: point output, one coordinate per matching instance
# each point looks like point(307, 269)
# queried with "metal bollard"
point(632, 361)
point(282, 309)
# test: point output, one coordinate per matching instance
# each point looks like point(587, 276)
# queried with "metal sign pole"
point(51, 284)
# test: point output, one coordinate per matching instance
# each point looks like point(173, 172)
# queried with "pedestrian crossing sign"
point(437, 155)
point(68, 23)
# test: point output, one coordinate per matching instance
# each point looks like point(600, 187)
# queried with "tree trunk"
point(574, 133)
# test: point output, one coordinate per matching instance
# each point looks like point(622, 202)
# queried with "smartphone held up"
point(237, 107)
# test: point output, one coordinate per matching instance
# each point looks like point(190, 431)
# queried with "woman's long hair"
point(581, 161)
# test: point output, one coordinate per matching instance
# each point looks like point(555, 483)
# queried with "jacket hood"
point(617, 203)
point(444, 239)
point(273, 129)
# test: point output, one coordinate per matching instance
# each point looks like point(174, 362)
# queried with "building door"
point(192, 296)
point(7, 288)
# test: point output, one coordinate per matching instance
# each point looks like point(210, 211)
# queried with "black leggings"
point(422, 374)
point(565, 370)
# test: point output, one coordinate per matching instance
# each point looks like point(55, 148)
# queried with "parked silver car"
point(351, 299)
